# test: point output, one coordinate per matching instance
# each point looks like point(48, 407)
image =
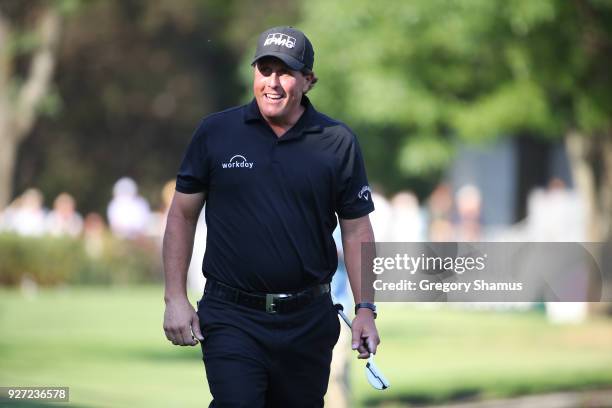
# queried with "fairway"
point(108, 346)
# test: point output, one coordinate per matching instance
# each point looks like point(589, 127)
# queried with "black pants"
point(256, 359)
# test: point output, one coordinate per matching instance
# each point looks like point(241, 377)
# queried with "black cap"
point(289, 45)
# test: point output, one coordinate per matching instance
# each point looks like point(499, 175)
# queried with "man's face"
point(278, 90)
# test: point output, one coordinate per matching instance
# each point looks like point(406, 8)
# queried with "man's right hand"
point(181, 323)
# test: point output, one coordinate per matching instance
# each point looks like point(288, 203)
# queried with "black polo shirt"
point(272, 202)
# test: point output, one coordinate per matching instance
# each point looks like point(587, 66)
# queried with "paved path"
point(584, 399)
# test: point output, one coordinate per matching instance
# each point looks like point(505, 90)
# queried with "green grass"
point(108, 346)
point(433, 356)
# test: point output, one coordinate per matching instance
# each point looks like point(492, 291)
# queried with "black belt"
point(269, 302)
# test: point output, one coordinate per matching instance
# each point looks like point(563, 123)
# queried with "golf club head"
point(375, 377)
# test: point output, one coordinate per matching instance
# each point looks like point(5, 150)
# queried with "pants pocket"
point(335, 324)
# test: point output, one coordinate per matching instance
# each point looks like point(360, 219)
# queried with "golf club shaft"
point(345, 318)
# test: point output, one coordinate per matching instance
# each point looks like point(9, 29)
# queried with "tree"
point(424, 74)
point(20, 96)
point(133, 78)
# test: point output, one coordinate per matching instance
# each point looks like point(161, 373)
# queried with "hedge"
point(52, 261)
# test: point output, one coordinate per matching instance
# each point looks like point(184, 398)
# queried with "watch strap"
point(366, 305)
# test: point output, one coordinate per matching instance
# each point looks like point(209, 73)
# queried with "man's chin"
point(272, 113)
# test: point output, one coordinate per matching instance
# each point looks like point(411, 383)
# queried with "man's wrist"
point(174, 297)
point(365, 313)
point(366, 307)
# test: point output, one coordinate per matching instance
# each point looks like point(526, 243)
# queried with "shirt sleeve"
point(193, 175)
point(354, 197)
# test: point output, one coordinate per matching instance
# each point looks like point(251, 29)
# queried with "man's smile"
point(273, 98)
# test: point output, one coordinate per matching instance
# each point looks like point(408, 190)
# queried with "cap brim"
point(287, 59)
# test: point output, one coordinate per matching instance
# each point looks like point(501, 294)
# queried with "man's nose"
point(273, 79)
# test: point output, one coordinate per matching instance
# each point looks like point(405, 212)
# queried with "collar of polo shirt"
point(302, 126)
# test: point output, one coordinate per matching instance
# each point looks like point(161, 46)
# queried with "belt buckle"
point(270, 304)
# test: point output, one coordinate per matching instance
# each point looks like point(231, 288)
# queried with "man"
point(274, 173)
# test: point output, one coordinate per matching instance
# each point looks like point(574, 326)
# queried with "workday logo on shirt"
point(237, 161)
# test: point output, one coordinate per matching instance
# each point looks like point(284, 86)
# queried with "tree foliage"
point(134, 77)
point(133, 80)
point(423, 74)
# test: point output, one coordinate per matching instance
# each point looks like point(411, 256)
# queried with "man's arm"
point(354, 232)
point(180, 318)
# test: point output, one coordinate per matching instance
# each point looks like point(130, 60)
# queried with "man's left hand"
point(365, 335)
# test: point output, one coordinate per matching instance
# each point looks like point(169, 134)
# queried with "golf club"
point(375, 377)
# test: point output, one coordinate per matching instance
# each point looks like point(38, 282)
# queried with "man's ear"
point(308, 84)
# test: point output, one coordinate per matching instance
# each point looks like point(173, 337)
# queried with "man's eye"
point(265, 71)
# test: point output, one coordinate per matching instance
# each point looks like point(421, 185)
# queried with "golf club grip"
point(343, 316)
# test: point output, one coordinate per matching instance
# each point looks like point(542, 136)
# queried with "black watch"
point(366, 305)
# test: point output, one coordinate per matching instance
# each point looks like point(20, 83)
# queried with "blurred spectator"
point(339, 386)
point(26, 215)
point(441, 202)
point(6, 215)
point(28, 286)
point(381, 218)
point(128, 213)
point(64, 219)
point(159, 218)
point(469, 205)
point(556, 214)
point(94, 231)
point(441, 230)
point(195, 276)
point(408, 224)
point(440, 205)
point(167, 195)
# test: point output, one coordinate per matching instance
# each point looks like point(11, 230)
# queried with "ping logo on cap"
point(280, 39)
